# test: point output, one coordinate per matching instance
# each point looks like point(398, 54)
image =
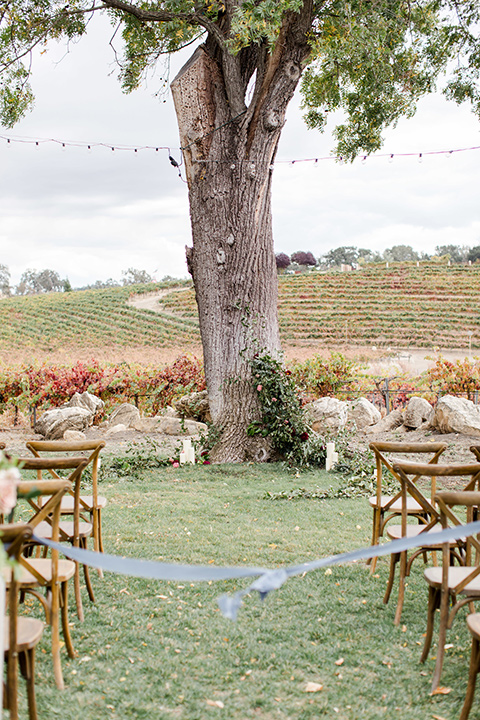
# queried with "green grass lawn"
point(159, 650)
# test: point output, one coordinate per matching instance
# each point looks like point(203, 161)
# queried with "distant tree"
point(366, 255)
point(474, 254)
point(303, 258)
point(5, 288)
point(456, 253)
point(282, 260)
point(345, 255)
point(67, 285)
point(400, 253)
point(34, 282)
point(135, 277)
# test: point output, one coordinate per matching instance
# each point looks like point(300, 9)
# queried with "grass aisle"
point(162, 650)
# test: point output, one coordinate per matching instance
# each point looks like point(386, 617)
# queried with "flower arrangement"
point(9, 480)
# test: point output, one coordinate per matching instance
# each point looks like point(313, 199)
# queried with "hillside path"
point(149, 301)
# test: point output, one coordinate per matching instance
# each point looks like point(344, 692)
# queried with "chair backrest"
point(32, 490)
point(470, 501)
point(92, 449)
point(380, 450)
point(410, 474)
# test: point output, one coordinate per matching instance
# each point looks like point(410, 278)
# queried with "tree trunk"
point(229, 163)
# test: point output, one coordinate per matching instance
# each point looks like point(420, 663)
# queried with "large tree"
point(371, 58)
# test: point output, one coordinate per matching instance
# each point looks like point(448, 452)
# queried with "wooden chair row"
point(51, 501)
point(425, 504)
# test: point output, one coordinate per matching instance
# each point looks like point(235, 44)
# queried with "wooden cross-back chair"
point(21, 634)
point(48, 574)
point(429, 522)
point(473, 623)
point(90, 505)
point(386, 507)
point(458, 585)
point(75, 532)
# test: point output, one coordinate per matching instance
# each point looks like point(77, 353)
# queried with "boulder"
point(169, 426)
point(54, 423)
point(392, 421)
point(74, 435)
point(194, 406)
point(456, 415)
point(327, 415)
point(125, 414)
point(418, 410)
point(363, 413)
point(116, 429)
point(88, 401)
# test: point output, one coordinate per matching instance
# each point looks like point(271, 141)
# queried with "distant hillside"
point(402, 306)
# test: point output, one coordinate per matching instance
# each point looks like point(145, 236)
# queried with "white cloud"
point(91, 214)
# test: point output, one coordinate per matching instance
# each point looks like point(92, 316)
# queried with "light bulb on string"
point(420, 157)
point(390, 159)
point(63, 147)
point(89, 148)
point(364, 160)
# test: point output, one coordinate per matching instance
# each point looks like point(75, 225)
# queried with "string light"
point(136, 149)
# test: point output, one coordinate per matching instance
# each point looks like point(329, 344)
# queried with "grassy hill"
point(403, 305)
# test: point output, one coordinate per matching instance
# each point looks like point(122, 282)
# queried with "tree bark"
point(229, 164)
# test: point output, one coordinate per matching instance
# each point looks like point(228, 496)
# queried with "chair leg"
point(78, 595)
point(401, 588)
point(433, 595)
point(472, 679)
point(375, 537)
point(27, 665)
point(65, 626)
point(442, 633)
point(394, 557)
point(96, 520)
point(86, 573)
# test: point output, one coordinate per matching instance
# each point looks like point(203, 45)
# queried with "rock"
point(456, 415)
point(390, 422)
point(116, 429)
point(195, 406)
point(418, 410)
point(125, 414)
point(170, 412)
point(363, 413)
point(89, 402)
point(327, 415)
point(54, 423)
point(74, 435)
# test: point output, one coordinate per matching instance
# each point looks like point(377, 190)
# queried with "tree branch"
point(163, 16)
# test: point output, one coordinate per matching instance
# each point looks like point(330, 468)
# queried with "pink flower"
point(259, 388)
point(176, 464)
point(9, 480)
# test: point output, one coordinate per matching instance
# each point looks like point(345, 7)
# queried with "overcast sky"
point(89, 214)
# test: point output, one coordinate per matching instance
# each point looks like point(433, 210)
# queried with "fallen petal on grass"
point(216, 703)
point(441, 691)
point(312, 687)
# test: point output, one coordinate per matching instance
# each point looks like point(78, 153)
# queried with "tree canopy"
point(371, 59)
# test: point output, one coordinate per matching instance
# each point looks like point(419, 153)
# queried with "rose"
point(9, 479)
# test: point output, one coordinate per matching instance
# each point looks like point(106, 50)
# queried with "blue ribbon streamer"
point(266, 579)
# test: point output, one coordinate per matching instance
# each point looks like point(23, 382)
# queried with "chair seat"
point(412, 505)
point(473, 622)
point(68, 502)
point(456, 574)
point(394, 532)
point(66, 570)
point(44, 529)
point(29, 632)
